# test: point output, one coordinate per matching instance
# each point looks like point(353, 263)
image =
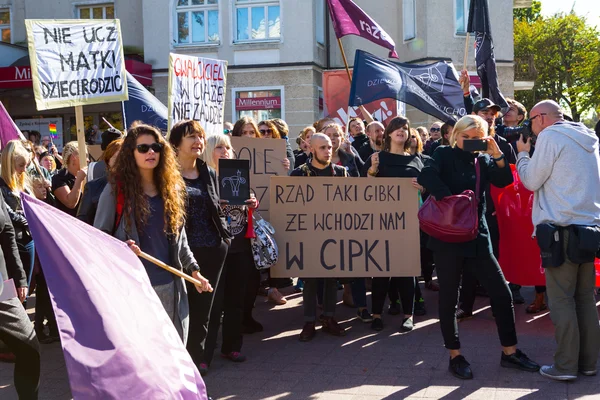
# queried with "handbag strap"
point(477, 178)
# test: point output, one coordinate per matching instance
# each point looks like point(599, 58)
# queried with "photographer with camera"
point(564, 174)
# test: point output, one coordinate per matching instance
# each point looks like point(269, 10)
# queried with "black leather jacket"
point(15, 211)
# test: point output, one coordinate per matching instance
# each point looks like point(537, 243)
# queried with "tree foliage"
point(530, 14)
point(562, 55)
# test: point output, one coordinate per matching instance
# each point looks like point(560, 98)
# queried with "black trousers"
point(17, 332)
point(449, 268)
point(400, 288)
point(43, 306)
point(211, 260)
point(238, 269)
point(469, 281)
point(251, 293)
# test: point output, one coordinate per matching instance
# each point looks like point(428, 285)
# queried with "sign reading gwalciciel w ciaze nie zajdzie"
point(76, 62)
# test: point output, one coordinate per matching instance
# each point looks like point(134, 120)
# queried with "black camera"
point(512, 133)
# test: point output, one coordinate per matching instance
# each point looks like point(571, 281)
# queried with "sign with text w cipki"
point(76, 62)
point(197, 91)
point(345, 227)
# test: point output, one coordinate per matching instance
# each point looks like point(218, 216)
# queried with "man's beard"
point(320, 161)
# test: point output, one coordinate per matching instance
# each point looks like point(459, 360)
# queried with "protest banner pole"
point(344, 58)
point(80, 136)
point(171, 269)
point(466, 52)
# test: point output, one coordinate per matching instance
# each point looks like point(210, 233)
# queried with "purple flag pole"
point(349, 19)
point(8, 130)
point(117, 339)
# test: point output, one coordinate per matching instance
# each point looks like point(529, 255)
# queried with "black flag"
point(479, 23)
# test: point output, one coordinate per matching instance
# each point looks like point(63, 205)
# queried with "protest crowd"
point(171, 198)
point(131, 198)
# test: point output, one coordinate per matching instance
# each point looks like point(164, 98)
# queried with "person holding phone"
point(452, 170)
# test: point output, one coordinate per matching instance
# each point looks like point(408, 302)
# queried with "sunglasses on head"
point(436, 129)
point(144, 148)
point(265, 131)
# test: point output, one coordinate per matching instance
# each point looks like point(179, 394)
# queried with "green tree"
point(562, 55)
point(529, 14)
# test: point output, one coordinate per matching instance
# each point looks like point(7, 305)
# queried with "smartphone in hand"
point(474, 145)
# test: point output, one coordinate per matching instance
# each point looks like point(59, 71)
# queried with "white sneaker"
point(589, 372)
point(550, 372)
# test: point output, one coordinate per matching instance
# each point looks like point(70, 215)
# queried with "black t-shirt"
point(60, 179)
point(396, 165)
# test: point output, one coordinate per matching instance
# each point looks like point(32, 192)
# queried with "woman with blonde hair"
point(241, 278)
point(451, 171)
point(67, 184)
point(14, 180)
point(144, 205)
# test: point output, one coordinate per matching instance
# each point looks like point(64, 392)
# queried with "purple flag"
point(350, 19)
point(117, 339)
point(8, 130)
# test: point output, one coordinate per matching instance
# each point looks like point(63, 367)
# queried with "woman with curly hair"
point(144, 205)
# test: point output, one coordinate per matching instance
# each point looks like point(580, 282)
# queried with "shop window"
point(96, 11)
point(197, 22)
point(321, 21)
point(88, 123)
point(260, 103)
point(257, 20)
point(115, 119)
point(5, 24)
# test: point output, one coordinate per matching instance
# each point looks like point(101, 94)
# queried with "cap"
point(109, 136)
point(485, 104)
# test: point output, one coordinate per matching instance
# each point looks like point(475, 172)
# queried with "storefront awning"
point(19, 76)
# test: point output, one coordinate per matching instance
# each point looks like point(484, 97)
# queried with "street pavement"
point(364, 364)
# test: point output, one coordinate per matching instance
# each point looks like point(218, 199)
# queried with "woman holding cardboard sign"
point(394, 161)
point(450, 172)
point(145, 206)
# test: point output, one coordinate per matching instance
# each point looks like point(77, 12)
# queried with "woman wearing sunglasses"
point(145, 206)
point(206, 229)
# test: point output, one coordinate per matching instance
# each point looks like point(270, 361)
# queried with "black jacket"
point(451, 171)
point(360, 142)
point(16, 214)
point(209, 177)
point(89, 200)
point(365, 152)
point(351, 162)
point(10, 262)
point(300, 159)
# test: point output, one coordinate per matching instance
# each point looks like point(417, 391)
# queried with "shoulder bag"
point(453, 219)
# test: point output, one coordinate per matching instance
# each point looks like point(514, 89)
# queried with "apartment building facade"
point(277, 50)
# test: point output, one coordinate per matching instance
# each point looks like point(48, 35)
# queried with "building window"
point(320, 18)
point(258, 103)
point(409, 19)
point(461, 16)
point(257, 20)
point(96, 11)
point(5, 24)
point(197, 22)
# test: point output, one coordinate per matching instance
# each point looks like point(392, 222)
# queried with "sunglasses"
point(265, 131)
point(435, 129)
point(227, 131)
point(144, 148)
point(532, 118)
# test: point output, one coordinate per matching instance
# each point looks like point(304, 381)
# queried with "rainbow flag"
point(52, 129)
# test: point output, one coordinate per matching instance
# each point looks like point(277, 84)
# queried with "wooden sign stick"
point(80, 136)
point(171, 269)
